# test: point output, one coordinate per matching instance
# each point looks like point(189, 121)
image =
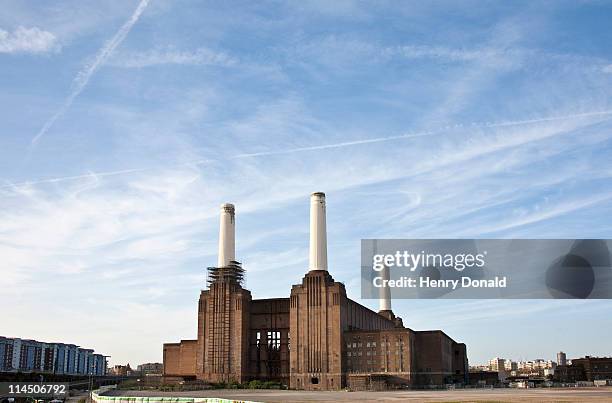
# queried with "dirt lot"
point(603, 394)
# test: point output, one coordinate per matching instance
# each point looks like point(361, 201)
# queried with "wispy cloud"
point(318, 147)
point(474, 125)
point(441, 52)
point(83, 76)
point(155, 57)
point(90, 175)
point(28, 40)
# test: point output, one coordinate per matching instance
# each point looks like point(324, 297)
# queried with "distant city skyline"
point(520, 360)
point(124, 126)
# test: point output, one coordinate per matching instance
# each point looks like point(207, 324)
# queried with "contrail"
point(327, 146)
point(83, 76)
point(423, 134)
point(335, 145)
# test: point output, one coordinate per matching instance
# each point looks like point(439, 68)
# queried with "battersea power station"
point(314, 338)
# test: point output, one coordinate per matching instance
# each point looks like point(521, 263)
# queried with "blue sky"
point(124, 125)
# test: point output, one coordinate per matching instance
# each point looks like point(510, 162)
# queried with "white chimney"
point(385, 292)
point(227, 234)
point(318, 232)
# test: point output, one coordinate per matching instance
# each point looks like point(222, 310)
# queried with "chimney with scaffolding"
point(228, 269)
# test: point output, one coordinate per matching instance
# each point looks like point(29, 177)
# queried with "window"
point(274, 340)
point(258, 336)
point(314, 380)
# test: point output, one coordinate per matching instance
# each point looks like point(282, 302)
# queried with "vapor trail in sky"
point(329, 146)
point(85, 74)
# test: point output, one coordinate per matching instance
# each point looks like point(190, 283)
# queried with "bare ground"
point(602, 394)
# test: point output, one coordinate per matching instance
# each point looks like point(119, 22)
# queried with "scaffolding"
point(233, 274)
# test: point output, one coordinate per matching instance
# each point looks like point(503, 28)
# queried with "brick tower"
point(223, 313)
point(316, 315)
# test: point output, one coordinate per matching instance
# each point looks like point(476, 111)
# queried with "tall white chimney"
point(227, 234)
point(385, 292)
point(318, 232)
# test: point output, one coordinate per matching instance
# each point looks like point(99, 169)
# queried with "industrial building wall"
point(387, 352)
point(180, 358)
point(460, 363)
point(188, 357)
point(320, 313)
point(269, 340)
point(226, 330)
point(434, 358)
point(406, 357)
point(316, 334)
point(358, 317)
point(172, 354)
point(201, 347)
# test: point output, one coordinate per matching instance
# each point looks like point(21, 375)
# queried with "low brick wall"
point(98, 398)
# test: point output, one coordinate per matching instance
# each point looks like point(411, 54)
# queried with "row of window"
point(359, 344)
point(274, 339)
point(370, 353)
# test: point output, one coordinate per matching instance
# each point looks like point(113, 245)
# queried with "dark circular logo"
point(570, 275)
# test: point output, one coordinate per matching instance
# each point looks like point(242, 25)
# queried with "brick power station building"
point(315, 339)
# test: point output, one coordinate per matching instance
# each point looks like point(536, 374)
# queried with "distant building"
point(569, 374)
point(479, 377)
point(121, 370)
point(23, 355)
point(150, 368)
point(544, 364)
point(497, 364)
point(510, 365)
point(595, 368)
point(536, 366)
point(561, 358)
